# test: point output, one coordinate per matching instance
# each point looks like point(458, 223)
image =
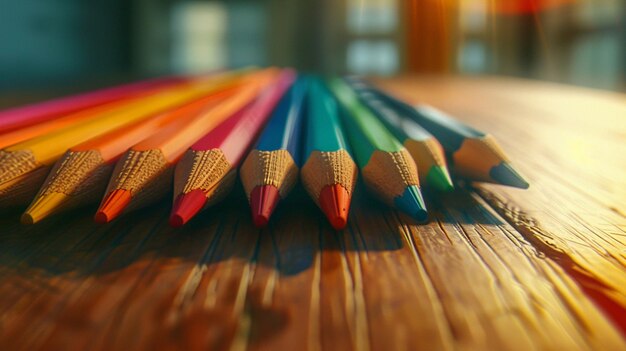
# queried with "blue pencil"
point(271, 169)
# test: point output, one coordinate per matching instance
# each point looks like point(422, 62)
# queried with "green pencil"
point(329, 173)
point(386, 166)
point(423, 146)
point(473, 154)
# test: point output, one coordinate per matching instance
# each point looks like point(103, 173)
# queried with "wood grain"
point(570, 143)
point(495, 268)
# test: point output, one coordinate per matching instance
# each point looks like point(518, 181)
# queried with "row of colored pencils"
point(136, 142)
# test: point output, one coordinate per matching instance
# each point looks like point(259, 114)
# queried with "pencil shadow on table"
point(462, 206)
point(72, 243)
point(297, 232)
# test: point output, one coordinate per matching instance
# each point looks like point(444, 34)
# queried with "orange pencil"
point(81, 175)
point(144, 173)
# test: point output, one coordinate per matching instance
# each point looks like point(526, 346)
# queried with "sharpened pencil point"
point(27, 218)
point(42, 207)
point(263, 201)
point(335, 203)
point(505, 174)
point(113, 205)
point(439, 179)
point(412, 203)
point(186, 206)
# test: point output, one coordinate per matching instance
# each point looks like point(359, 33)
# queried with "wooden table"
point(496, 268)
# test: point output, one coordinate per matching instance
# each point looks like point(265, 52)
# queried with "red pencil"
point(207, 170)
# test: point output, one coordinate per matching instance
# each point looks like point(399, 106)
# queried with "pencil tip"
point(505, 174)
point(439, 179)
point(335, 203)
point(263, 201)
point(114, 203)
point(186, 206)
point(412, 203)
point(42, 207)
point(27, 218)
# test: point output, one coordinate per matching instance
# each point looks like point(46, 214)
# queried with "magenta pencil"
point(22, 116)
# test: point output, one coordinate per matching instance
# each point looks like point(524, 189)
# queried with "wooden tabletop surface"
point(495, 268)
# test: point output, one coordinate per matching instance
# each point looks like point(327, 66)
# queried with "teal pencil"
point(329, 173)
point(386, 166)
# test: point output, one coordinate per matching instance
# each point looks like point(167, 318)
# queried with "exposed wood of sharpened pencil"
point(472, 153)
point(24, 166)
point(144, 173)
point(426, 151)
point(271, 169)
point(386, 166)
point(208, 169)
point(22, 116)
point(81, 175)
point(328, 171)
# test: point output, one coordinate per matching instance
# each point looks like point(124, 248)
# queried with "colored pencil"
point(54, 124)
point(473, 154)
point(386, 166)
point(81, 175)
point(24, 166)
point(271, 169)
point(22, 116)
point(328, 172)
point(144, 173)
point(207, 170)
point(423, 146)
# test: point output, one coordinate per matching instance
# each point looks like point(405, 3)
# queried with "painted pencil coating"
point(271, 169)
point(323, 132)
point(426, 151)
point(283, 129)
point(329, 173)
point(47, 148)
point(207, 170)
point(386, 166)
point(22, 116)
point(472, 153)
point(372, 130)
point(49, 126)
point(373, 134)
point(449, 131)
point(144, 173)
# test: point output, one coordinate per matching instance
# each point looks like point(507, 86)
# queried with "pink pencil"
point(22, 116)
point(208, 169)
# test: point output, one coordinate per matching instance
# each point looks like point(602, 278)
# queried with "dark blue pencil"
point(271, 169)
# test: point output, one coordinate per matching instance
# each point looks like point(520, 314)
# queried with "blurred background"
point(70, 43)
